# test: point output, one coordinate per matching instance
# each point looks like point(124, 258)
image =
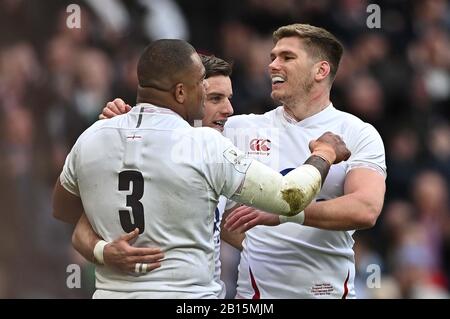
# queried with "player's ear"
point(180, 93)
point(322, 70)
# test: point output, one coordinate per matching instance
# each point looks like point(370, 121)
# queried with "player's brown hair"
point(215, 66)
point(319, 43)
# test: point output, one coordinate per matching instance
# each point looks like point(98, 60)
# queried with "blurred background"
point(54, 81)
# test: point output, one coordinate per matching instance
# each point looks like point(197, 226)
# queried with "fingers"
point(120, 105)
point(131, 235)
point(145, 259)
point(116, 107)
point(143, 251)
point(128, 264)
point(346, 154)
point(113, 107)
point(153, 261)
point(237, 213)
point(244, 223)
point(131, 268)
point(107, 113)
point(248, 225)
point(330, 146)
point(240, 217)
point(152, 266)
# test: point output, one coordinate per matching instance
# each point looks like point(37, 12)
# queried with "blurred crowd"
point(54, 81)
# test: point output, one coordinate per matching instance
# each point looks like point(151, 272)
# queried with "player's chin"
point(276, 95)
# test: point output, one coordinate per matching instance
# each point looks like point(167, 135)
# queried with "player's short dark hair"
point(319, 43)
point(162, 60)
point(215, 66)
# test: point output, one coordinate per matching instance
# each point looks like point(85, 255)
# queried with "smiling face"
point(217, 102)
point(291, 70)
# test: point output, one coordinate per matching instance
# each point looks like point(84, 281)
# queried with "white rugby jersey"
point(150, 169)
point(292, 260)
point(218, 214)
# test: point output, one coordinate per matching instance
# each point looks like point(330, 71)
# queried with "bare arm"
point(358, 208)
point(118, 254)
point(288, 195)
point(66, 206)
point(84, 238)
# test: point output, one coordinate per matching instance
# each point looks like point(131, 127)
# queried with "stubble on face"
point(294, 63)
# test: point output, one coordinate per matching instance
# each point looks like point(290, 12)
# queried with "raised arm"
point(288, 195)
point(358, 208)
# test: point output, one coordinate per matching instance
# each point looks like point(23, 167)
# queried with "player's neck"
point(308, 105)
point(159, 98)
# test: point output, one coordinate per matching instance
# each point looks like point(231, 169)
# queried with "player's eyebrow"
point(281, 53)
point(218, 94)
point(215, 94)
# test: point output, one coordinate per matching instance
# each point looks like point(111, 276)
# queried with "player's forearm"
point(287, 195)
point(84, 238)
point(347, 212)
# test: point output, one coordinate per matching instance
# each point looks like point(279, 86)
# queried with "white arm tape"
point(298, 219)
point(98, 251)
point(288, 195)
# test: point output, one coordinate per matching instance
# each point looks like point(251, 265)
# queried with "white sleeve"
point(68, 177)
point(368, 151)
point(225, 166)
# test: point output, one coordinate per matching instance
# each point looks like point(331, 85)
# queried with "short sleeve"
point(368, 151)
point(226, 166)
point(68, 177)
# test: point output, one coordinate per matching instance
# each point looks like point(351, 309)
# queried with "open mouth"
point(277, 79)
point(220, 124)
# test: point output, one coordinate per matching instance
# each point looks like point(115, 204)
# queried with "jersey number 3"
point(125, 180)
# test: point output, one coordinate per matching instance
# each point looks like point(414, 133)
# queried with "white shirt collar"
point(291, 120)
point(153, 109)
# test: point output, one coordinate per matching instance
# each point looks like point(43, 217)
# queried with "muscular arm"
point(66, 206)
point(118, 254)
point(358, 208)
point(84, 238)
point(288, 195)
